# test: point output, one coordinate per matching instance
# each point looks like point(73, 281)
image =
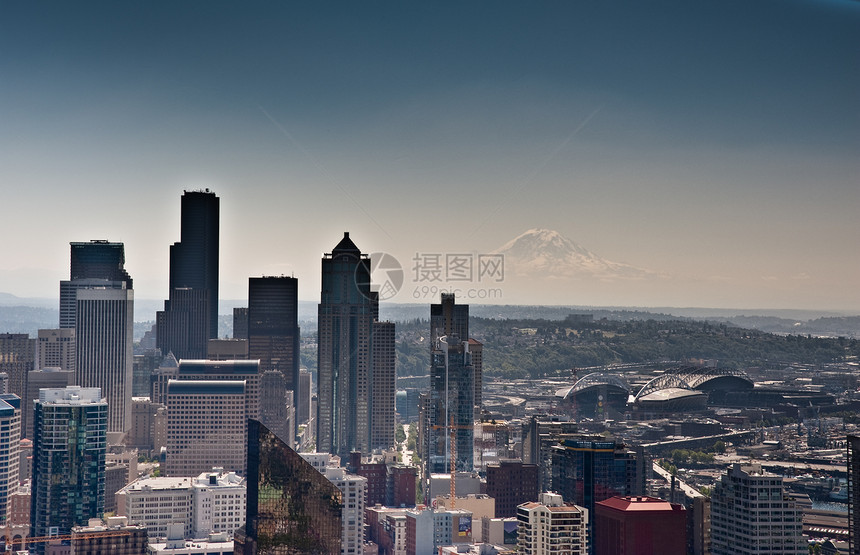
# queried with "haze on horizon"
point(711, 145)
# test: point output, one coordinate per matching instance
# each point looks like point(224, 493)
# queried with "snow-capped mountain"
point(548, 254)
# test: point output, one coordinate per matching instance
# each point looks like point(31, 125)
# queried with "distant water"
point(830, 506)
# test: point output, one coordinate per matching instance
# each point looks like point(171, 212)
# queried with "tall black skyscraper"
point(190, 316)
point(273, 328)
point(346, 314)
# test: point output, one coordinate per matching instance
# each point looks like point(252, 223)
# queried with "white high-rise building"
point(211, 503)
point(354, 490)
point(551, 527)
point(751, 514)
point(10, 435)
point(104, 324)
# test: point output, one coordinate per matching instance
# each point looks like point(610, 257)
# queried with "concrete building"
point(428, 529)
point(639, 526)
point(751, 514)
point(206, 426)
point(114, 536)
point(853, 494)
point(227, 349)
point(499, 531)
point(512, 483)
point(10, 434)
point(55, 348)
point(550, 527)
point(17, 358)
point(69, 446)
point(104, 324)
point(148, 432)
point(46, 377)
point(212, 502)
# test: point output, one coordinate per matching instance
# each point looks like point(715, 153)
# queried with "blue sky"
point(713, 142)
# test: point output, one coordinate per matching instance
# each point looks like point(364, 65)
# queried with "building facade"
point(291, 507)
point(190, 315)
point(853, 495)
point(511, 483)
point(10, 434)
point(104, 327)
point(751, 514)
point(69, 446)
point(346, 314)
point(549, 527)
point(273, 328)
point(639, 526)
point(206, 426)
point(55, 348)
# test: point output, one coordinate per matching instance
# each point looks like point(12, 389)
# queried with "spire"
point(346, 245)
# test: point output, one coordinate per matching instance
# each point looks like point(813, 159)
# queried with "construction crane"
point(452, 460)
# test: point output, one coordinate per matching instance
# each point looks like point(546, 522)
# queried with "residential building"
point(548, 527)
point(69, 445)
point(639, 526)
point(752, 514)
point(10, 435)
point(190, 315)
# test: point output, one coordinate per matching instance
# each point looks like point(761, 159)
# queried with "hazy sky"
point(715, 143)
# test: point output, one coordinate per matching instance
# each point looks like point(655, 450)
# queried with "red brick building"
point(639, 526)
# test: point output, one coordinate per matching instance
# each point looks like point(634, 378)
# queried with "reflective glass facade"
point(292, 508)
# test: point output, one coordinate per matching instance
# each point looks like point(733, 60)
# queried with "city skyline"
point(712, 145)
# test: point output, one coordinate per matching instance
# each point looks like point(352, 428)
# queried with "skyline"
point(712, 144)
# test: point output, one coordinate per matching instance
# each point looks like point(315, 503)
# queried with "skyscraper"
point(55, 348)
point(384, 386)
point(291, 507)
point(451, 400)
point(449, 318)
point(96, 263)
point(751, 514)
point(17, 354)
point(273, 330)
point(69, 447)
point(190, 315)
point(10, 434)
point(104, 329)
point(585, 471)
point(347, 310)
point(98, 303)
point(206, 426)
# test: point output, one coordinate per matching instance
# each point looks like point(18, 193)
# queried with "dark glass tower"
point(291, 507)
point(273, 328)
point(190, 316)
point(69, 447)
point(346, 314)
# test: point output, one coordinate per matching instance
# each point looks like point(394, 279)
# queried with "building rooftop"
point(643, 504)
